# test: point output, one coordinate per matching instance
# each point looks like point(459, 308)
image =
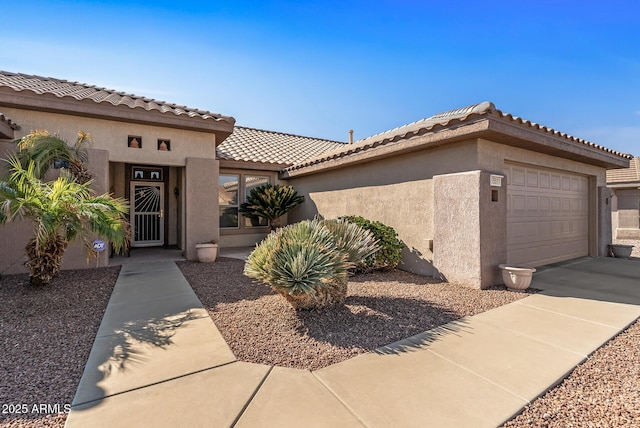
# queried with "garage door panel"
point(547, 215)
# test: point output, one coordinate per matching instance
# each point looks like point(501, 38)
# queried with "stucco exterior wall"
point(112, 136)
point(470, 234)
point(626, 214)
point(396, 191)
point(201, 204)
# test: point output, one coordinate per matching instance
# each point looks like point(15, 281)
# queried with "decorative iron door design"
point(147, 212)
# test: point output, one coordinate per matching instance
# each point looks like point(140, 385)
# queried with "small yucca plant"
point(308, 262)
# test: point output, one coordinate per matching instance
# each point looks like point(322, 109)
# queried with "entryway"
point(147, 214)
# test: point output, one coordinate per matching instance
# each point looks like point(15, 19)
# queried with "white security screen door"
point(147, 213)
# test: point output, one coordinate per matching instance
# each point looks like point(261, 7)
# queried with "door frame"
point(128, 175)
point(161, 206)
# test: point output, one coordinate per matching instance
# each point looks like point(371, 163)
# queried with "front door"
point(147, 213)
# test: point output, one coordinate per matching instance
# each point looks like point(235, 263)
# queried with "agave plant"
point(46, 151)
point(270, 202)
point(61, 211)
point(308, 262)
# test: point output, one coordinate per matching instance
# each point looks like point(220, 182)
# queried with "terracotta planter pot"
point(621, 251)
point(207, 253)
point(517, 278)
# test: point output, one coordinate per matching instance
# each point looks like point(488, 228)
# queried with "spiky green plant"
point(61, 210)
point(308, 262)
point(270, 202)
point(354, 241)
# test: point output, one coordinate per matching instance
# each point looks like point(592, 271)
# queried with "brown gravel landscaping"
point(381, 308)
point(46, 334)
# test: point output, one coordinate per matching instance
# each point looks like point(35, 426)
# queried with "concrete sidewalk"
point(158, 360)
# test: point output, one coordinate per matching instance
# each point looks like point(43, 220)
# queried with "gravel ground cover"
point(604, 391)
point(381, 308)
point(46, 334)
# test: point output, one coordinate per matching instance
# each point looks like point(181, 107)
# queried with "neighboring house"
point(625, 204)
point(466, 189)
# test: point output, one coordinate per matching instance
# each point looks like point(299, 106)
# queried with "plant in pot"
point(516, 278)
point(620, 251)
point(207, 252)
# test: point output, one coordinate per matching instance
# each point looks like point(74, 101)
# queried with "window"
point(228, 197)
point(250, 183)
point(233, 188)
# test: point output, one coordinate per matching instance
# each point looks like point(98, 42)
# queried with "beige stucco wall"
point(457, 217)
point(201, 204)
point(470, 228)
point(112, 136)
point(626, 214)
point(396, 191)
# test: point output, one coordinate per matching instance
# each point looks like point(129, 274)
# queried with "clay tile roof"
point(448, 119)
point(81, 91)
point(258, 145)
point(625, 175)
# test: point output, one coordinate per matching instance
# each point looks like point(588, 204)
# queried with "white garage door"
point(547, 215)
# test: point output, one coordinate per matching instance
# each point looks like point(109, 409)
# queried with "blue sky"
point(320, 68)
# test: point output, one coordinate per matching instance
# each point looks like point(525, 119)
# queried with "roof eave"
point(251, 165)
point(506, 131)
point(383, 149)
point(491, 127)
point(89, 108)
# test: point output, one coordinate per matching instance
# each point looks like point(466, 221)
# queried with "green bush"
point(308, 262)
point(390, 252)
point(270, 201)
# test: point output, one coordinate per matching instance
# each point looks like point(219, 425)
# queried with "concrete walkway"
point(159, 361)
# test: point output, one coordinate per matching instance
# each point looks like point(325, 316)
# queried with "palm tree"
point(61, 210)
point(47, 151)
point(270, 202)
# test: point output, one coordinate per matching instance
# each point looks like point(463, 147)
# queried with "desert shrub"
point(308, 262)
point(270, 201)
point(390, 247)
